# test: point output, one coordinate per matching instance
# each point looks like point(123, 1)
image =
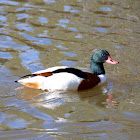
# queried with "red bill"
point(111, 61)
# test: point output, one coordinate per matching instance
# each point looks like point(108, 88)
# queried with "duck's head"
point(102, 56)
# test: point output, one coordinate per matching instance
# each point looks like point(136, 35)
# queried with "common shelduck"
point(68, 78)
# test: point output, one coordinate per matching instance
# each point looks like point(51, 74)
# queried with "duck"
point(68, 78)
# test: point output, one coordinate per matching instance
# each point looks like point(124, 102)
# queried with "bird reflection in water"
point(100, 96)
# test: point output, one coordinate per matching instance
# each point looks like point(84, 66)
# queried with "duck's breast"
point(92, 81)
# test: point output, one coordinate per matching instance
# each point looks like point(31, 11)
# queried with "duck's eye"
point(103, 54)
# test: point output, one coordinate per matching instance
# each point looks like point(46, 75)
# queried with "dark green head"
point(98, 58)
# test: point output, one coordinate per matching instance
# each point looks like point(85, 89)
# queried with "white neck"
point(102, 78)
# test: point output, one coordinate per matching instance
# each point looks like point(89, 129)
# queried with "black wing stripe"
point(75, 71)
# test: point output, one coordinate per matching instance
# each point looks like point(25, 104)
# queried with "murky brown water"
point(37, 34)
